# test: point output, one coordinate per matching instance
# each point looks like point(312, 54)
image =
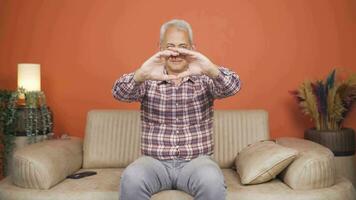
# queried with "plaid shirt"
point(177, 119)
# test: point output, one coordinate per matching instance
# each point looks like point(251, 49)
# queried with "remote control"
point(82, 174)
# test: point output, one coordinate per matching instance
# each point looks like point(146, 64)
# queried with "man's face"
point(176, 38)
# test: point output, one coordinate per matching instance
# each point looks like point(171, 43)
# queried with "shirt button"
point(177, 104)
point(177, 131)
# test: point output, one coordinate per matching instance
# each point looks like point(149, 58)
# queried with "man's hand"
point(153, 68)
point(198, 63)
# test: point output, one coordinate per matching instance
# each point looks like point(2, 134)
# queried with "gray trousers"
point(200, 177)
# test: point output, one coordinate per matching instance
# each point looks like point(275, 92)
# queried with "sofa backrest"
point(112, 137)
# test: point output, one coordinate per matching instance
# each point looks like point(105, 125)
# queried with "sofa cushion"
point(313, 168)
point(235, 129)
point(112, 138)
point(44, 164)
point(261, 161)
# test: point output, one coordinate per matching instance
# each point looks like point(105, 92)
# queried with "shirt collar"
point(191, 78)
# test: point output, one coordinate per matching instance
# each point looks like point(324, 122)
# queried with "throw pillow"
point(263, 161)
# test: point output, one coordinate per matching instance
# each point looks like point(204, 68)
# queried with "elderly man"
point(176, 88)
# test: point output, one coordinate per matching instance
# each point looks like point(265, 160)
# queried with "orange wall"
point(85, 45)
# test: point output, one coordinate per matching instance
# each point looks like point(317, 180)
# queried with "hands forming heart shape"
point(153, 68)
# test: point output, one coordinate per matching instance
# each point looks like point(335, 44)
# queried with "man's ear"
point(159, 46)
point(193, 47)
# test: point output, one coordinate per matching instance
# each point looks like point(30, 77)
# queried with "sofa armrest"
point(313, 168)
point(44, 164)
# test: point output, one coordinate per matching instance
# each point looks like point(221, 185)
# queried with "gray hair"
point(178, 23)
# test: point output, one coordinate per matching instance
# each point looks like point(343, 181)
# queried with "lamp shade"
point(29, 76)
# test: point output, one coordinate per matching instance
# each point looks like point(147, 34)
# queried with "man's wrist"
point(214, 72)
point(138, 78)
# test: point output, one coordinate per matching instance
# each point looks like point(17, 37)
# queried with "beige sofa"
point(112, 141)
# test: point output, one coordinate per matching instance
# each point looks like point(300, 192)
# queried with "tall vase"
point(340, 142)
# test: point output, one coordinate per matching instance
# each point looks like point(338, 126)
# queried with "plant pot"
point(340, 142)
point(23, 115)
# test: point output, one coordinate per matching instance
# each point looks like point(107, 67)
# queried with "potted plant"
point(24, 124)
point(8, 117)
point(35, 116)
point(328, 103)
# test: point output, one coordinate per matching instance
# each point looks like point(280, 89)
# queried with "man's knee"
point(133, 183)
point(210, 176)
point(209, 183)
point(134, 177)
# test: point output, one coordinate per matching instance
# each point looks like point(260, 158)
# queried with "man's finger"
point(183, 51)
point(167, 53)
